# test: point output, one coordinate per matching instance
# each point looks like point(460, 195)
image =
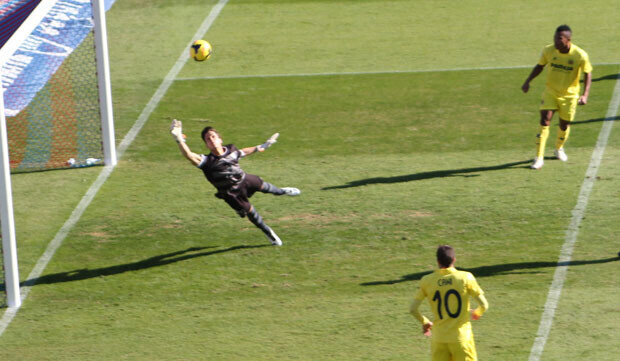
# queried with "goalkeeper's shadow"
point(156, 261)
point(463, 172)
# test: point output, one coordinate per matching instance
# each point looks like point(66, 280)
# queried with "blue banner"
point(40, 55)
point(108, 4)
point(12, 15)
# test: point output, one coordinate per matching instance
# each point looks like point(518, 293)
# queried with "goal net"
point(55, 82)
point(51, 94)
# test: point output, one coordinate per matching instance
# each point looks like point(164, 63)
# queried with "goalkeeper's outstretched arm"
point(261, 147)
point(176, 130)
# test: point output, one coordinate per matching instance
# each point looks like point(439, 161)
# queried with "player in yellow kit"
point(448, 291)
point(566, 63)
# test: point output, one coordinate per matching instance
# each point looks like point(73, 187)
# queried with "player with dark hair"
point(448, 291)
point(221, 167)
point(566, 63)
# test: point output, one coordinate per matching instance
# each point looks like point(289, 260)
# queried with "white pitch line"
point(362, 72)
point(55, 243)
point(566, 252)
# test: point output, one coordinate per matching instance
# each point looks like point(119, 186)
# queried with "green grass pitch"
point(412, 132)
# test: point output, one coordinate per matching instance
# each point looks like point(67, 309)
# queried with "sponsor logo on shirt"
point(562, 67)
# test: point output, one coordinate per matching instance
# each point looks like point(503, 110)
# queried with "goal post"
point(55, 99)
point(9, 244)
point(7, 222)
point(105, 90)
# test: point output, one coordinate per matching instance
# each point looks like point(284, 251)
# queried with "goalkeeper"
point(221, 167)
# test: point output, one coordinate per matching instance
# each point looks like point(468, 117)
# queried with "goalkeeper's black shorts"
point(238, 197)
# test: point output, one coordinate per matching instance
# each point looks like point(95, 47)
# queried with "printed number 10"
point(437, 297)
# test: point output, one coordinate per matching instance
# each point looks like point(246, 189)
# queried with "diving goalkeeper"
point(221, 167)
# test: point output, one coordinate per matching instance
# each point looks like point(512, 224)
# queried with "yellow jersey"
point(448, 291)
point(564, 69)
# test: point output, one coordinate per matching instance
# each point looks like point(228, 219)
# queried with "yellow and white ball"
point(200, 50)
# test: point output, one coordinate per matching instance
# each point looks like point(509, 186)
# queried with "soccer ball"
point(200, 50)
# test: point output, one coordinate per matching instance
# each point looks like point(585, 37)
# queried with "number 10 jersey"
point(448, 292)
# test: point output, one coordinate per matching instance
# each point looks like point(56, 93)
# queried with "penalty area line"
point(55, 243)
point(555, 290)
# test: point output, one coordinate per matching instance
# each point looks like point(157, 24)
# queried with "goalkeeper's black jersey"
point(223, 171)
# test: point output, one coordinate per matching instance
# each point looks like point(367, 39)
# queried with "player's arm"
point(250, 150)
point(587, 81)
point(533, 74)
point(176, 131)
point(261, 147)
point(483, 306)
point(426, 323)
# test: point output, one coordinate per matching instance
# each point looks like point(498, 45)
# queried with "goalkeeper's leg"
point(255, 218)
point(270, 188)
point(267, 187)
point(254, 183)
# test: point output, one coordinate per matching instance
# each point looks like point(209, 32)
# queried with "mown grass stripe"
point(555, 291)
point(365, 72)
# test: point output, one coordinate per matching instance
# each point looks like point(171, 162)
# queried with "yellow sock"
point(541, 141)
point(562, 137)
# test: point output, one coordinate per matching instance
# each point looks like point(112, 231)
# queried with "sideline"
point(55, 243)
point(553, 297)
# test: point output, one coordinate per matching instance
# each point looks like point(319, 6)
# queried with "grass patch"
point(390, 166)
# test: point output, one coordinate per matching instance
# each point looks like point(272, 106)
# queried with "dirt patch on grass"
point(175, 224)
point(100, 235)
point(319, 219)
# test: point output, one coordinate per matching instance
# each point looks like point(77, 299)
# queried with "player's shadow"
point(156, 261)
point(498, 269)
point(606, 77)
point(463, 172)
point(608, 119)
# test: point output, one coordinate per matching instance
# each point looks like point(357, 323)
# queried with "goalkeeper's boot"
point(290, 191)
point(538, 163)
point(273, 238)
point(561, 155)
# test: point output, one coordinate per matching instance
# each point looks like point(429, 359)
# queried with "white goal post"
point(105, 92)
point(9, 244)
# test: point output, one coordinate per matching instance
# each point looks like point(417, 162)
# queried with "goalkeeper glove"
point(268, 143)
point(176, 130)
